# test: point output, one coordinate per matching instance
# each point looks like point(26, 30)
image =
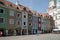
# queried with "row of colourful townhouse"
point(16, 19)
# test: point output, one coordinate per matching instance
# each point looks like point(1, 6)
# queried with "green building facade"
point(3, 17)
point(4, 14)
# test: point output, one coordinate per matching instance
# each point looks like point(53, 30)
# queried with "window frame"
point(10, 14)
point(3, 10)
point(24, 16)
point(24, 23)
point(10, 21)
point(3, 19)
point(18, 15)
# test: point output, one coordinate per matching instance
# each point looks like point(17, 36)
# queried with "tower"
point(54, 11)
point(51, 3)
point(17, 2)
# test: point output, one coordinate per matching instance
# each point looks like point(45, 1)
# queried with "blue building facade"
point(35, 24)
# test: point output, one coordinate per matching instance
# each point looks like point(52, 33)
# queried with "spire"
point(51, 4)
point(17, 2)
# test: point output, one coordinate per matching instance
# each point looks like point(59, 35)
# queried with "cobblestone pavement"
point(33, 37)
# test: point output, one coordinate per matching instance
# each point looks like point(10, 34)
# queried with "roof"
point(21, 8)
point(3, 2)
point(46, 15)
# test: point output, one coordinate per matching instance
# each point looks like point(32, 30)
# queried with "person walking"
point(1, 33)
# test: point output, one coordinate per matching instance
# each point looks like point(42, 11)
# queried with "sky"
point(37, 5)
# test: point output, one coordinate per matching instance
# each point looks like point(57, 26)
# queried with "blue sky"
point(36, 5)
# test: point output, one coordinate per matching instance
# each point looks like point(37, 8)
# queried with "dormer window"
point(24, 8)
point(30, 11)
point(11, 5)
point(2, 3)
point(17, 8)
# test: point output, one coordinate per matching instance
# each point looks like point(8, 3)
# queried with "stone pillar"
point(27, 31)
point(14, 32)
point(21, 31)
point(32, 31)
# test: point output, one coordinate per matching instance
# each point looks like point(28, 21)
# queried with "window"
point(29, 23)
point(11, 13)
point(11, 5)
point(11, 21)
point(58, 0)
point(58, 3)
point(55, 23)
point(18, 23)
point(24, 8)
point(18, 15)
point(17, 8)
point(59, 17)
point(1, 20)
point(24, 16)
point(1, 11)
point(30, 11)
point(56, 17)
point(24, 23)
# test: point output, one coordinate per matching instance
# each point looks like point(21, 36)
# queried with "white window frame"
point(11, 21)
point(11, 13)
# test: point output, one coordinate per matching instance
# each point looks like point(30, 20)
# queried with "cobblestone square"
point(33, 37)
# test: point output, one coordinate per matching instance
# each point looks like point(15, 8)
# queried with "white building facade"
point(54, 11)
point(24, 26)
point(35, 24)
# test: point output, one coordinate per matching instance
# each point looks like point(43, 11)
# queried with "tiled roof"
point(33, 11)
point(3, 2)
point(46, 15)
point(21, 8)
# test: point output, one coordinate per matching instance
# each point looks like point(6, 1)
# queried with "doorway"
point(3, 32)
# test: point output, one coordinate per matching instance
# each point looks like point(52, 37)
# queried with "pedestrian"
point(0, 33)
